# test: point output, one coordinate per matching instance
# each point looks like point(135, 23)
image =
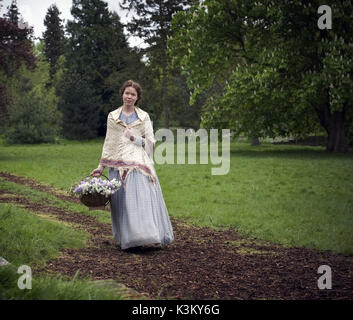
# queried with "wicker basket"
point(94, 199)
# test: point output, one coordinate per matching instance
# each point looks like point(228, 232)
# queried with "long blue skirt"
point(138, 212)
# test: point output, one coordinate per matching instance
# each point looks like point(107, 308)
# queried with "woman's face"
point(129, 96)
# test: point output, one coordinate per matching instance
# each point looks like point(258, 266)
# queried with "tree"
point(272, 71)
point(12, 13)
point(5, 101)
point(94, 51)
point(153, 25)
point(31, 121)
point(95, 36)
point(54, 38)
point(79, 106)
point(33, 116)
point(15, 49)
point(132, 68)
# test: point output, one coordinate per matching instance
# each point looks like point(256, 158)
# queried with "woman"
point(138, 211)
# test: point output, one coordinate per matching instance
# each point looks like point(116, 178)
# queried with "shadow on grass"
point(292, 152)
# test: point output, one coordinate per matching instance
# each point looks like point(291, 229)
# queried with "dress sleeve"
point(139, 141)
point(149, 136)
point(109, 144)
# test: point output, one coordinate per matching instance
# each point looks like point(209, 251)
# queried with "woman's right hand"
point(96, 172)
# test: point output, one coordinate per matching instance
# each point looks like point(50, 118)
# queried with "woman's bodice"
point(132, 117)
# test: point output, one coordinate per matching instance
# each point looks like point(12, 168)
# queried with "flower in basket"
point(95, 192)
point(96, 185)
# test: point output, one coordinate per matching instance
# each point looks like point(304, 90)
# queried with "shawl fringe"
point(126, 167)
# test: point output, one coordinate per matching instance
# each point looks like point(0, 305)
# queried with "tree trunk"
point(164, 38)
point(165, 93)
point(334, 126)
point(336, 140)
point(5, 101)
point(255, 141)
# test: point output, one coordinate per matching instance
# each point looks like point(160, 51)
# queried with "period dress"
point(138, 211)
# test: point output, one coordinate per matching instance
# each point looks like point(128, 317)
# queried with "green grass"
point(60, 165)
point(26, 239)
point(49, 199)
point(293, 195)
point(51, 288)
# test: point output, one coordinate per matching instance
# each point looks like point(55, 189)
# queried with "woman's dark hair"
point(135, 85)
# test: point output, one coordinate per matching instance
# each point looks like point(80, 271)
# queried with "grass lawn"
point(27, 239)
point(294, 195)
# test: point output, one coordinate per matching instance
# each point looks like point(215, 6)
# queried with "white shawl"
point(121, 153)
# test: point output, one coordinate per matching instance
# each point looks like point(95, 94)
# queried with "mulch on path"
point(202, 263)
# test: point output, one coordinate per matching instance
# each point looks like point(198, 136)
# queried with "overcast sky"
point(34, 13)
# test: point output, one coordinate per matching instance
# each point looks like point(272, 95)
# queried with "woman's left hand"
point(128, 133)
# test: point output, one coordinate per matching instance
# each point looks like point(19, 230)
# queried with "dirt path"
point(201, 263)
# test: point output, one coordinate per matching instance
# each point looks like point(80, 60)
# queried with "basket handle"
point(102, 175)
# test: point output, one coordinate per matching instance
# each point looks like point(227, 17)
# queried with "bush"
point(80, 107)
point(31, 120)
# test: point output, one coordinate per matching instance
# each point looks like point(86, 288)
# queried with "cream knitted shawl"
point(121, 153)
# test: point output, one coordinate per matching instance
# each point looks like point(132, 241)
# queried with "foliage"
point(268, 68)
point(79, 107)
point(5, 101)
point(53, 38)
point(151, 22)
point(133, 69)
point(12, 13)
point(34, 117)
point(16, 47)
point(152, 19)
point(28, 124)
point(95, 36)
point(94, 51)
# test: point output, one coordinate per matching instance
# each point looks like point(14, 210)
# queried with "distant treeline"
point(261, 69)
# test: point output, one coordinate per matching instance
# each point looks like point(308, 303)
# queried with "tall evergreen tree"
point(15, 42)
point(79, 106)
point(152, 23)
point(54, 39)
point(94, 51)
point(95, 34)
point(12, 14)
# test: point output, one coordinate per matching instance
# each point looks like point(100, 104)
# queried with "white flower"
point(95, 185)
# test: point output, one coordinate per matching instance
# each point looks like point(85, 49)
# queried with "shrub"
point(31, 120)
